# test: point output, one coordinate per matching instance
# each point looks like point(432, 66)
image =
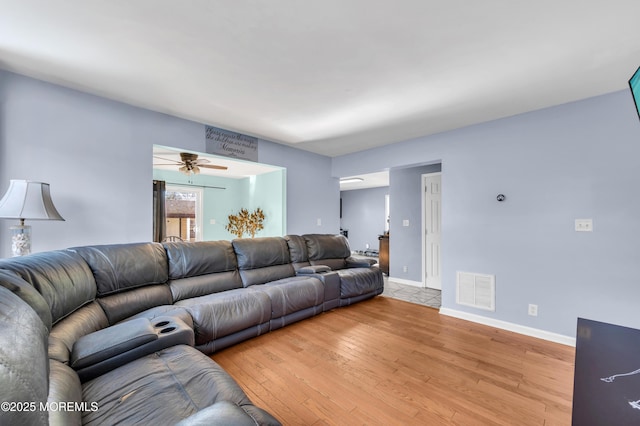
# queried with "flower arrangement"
point(245, 222)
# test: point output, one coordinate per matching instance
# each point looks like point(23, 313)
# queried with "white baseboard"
point(509, 326)
point(407, 282)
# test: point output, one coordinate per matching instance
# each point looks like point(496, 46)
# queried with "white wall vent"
point(477, 290)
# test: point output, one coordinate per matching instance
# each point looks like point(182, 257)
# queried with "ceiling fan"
point(190, 163)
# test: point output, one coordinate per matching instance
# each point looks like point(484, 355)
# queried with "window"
point(184, 212)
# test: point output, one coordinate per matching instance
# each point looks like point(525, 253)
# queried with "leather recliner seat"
point(359, 279)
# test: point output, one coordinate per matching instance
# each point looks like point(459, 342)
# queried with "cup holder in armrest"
point(106, 349)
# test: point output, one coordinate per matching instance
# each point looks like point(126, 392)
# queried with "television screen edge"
point(634, 85)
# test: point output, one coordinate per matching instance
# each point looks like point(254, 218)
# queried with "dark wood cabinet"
point(383, 253)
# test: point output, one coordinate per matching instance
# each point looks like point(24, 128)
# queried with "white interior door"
point(432, 230)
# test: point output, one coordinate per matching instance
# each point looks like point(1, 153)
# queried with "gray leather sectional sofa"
point(119, 334)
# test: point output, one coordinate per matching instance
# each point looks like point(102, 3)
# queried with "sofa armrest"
point(111, 341)
point(313, 269)
point(352, 262)
point(330, 280)
point(104, 350)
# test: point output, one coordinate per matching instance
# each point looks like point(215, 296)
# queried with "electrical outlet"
point(405, 268)
point(584, 225)
point(533, 310)
point(319, 222)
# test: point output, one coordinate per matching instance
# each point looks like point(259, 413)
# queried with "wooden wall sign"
point(231, 144)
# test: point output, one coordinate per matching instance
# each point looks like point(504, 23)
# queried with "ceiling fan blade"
point(168, 159)
point(166, 164)
point(213, 166)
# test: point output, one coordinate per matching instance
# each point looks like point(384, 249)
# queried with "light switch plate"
point(584, 225)
point(405, 222)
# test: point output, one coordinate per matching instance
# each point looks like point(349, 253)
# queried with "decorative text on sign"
point(231, 144)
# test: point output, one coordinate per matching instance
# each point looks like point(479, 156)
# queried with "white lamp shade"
point(28, 200)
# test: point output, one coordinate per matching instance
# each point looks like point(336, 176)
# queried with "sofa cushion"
point(297, 251)
point(260, 252)
point(122, 305)
point(199, 258)
point(359, 281)
point(62, 278)
point(201, 285)
point(26, 292)
point(292, 294)
point(161, 388)
point(121, 267)
point(262, 260)
point(330, 250)
point(24, 366)
point(201, 268)
point(221, 314)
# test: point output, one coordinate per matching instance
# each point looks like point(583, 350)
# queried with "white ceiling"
point(332, 76)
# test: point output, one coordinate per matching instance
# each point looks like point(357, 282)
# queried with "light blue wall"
point(579, 160)
point(265, 191)
point(217, 204)
point(268, 191)
point(405, 242)
point(363, 216)
point(97, 156)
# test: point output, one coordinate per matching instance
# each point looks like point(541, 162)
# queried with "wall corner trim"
point(509, 326)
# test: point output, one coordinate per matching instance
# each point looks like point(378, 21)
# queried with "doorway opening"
point(216, 188)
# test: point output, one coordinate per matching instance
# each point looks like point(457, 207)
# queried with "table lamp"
point(26, 200)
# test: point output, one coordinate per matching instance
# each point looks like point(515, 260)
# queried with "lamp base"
point(20, 240)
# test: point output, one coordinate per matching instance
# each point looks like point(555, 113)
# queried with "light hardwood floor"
point(389, 362)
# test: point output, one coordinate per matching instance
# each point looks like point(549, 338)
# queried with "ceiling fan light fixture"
point(189, 164)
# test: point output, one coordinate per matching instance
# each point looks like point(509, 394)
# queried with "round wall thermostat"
point(501, 197)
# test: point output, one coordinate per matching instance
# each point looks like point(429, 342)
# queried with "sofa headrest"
point(200, 258)
point(255, 253)
point(24, 365)
point(62, 278)
point(297, 248)
point(28, 293)
point(263, 260)
point(321, 246)
point(120, 267)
